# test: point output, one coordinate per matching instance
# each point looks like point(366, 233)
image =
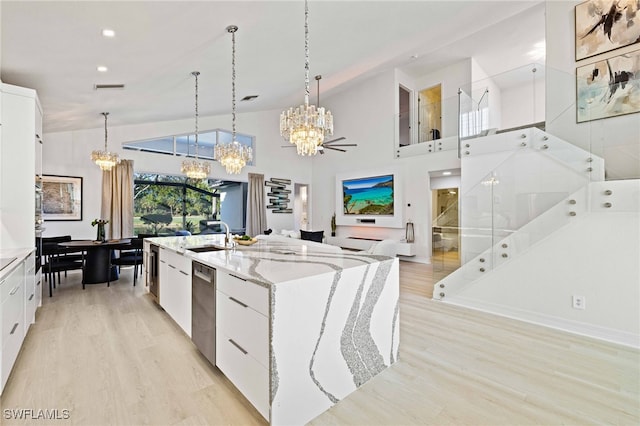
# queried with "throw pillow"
point(316, 236)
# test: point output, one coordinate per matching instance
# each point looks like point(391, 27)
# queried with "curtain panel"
point(117, 200)
point(256, 206)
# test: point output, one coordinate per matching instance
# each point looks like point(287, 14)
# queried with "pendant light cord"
point(196, 74)
point(306, 53)
point(105, 130)
point(233, 83)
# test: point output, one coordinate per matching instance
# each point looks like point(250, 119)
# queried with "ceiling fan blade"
point(342, 144)
point(287, 146)
point(335, 140)
point(335, 149)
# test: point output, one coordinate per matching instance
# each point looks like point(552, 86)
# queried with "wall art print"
point(61, 197)
point(609, 88)
point(604, 25)
point(279, 201)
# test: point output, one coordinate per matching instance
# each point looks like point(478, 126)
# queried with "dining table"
point(97, 264)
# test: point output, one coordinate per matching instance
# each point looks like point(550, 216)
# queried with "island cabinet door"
point(175, 288)
point(242, 337)
point(30, 300)
point(12, 302)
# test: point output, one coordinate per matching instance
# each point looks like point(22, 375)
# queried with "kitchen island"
point(298, 326)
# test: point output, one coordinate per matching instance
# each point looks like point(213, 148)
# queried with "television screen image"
point(368, 196)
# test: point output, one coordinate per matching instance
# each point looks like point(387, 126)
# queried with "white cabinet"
point(175, 287)
point(30, 298)
point(242, 337)
point(17, 165)
point(12, 304)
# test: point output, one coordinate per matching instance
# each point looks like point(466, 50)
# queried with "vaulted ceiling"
point(55, 47)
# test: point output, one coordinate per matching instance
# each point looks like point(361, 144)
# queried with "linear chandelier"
point(195, 169)
point(306, 126)
point(103, 158)
point(233, 156)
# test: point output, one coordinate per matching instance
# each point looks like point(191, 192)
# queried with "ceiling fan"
point(331, 144)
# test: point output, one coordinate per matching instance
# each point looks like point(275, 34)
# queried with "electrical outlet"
point(579, 302)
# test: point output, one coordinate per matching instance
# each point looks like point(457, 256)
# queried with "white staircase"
point(532, 197)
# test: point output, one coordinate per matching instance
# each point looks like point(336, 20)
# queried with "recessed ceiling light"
point(102, 68)
point(108, 33)
point(446, 173)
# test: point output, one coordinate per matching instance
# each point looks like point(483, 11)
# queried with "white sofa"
point(299, 242)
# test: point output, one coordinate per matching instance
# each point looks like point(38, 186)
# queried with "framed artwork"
point(279, 203)
point(604, 25)
point(608, 88)
point(61, 197)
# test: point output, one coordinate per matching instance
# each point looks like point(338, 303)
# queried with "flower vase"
point(101, 233)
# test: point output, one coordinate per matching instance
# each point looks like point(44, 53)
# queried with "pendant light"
point(233, 156)
point(103, 158)
point(307, 125)
point(195, 169)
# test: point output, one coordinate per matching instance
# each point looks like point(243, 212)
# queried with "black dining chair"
point(131, 255)
point(58, 259)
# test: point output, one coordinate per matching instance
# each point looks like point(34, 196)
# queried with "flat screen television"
point(368, 196)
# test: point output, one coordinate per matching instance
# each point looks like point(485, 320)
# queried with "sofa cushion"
point(316, 236)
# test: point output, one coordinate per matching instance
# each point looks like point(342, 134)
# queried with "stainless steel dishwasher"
point(203, 311)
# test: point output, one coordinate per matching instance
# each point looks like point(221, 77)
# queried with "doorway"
point(445, 222)
point(430, 113)
point(404, 116)
point(301, 206)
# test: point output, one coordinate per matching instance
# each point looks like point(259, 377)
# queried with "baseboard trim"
point(620, 337)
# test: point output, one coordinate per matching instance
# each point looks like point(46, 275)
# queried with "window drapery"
point(117, 199)
point(256, 206)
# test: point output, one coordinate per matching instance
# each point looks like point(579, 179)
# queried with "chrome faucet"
point(227, 236)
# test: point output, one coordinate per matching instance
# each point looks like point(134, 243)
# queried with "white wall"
point(615, 139)
point(481, 82)
point(576, 260)
point(372, 126)
point(522, 105)
point(67, 153)
point(451, 78)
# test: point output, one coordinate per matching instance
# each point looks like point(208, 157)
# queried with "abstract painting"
point(61, 197)
point(609, 88)
point(604, 25)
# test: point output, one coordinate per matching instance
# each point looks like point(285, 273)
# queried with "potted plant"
point(101, 236)
point(333, 225)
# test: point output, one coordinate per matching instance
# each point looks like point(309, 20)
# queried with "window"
point(184, 145)
point(164, 204)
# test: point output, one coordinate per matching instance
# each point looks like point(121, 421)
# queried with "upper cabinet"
point(21, 120)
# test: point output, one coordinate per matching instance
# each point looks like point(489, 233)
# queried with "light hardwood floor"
point(111, 356)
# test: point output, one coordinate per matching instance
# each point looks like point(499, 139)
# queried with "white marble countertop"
point(19, 254)
point(269, 261)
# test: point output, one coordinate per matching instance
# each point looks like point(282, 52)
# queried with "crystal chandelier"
point(195, 169)
point(306, 126)
point(103, 158)
point(233, 156)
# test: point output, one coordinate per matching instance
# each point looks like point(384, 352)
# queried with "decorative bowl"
point(245, 242)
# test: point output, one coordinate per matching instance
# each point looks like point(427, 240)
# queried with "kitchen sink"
point(201, 249)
